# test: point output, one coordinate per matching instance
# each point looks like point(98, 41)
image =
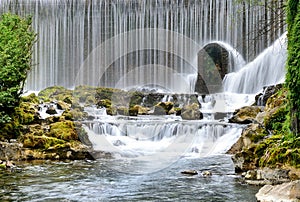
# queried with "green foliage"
point(293, 65)
point(16, 41)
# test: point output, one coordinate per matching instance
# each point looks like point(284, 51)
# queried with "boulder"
point(251, 134)
point(163, 108)
point(245, 115)
point(51, 110)
point(62, 105)
point(191, 112)
point(286, 192)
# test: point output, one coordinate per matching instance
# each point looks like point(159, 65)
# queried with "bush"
point(16, 41)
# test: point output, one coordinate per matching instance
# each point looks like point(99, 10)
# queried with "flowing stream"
point(97, 181)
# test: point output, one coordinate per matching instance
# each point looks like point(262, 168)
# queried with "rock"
point(163, 108)
point(12, 151)
point(189, 172)
point(62, 105)
point(206, 173)
point(251, 134)
point(51, 110)
point(245, 115)
point(159, 110)
point(191, 112)
point(268, 91)
point(118, 143)
point(134, 111)
point(243, 161)
point(287, 192)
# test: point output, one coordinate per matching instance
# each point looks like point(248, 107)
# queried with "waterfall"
point(267, 69)
point(118, 43)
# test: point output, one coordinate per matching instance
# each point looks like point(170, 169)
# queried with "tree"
point(293, 64)
point(16, 41)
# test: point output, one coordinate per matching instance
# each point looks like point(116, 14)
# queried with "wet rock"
point(62, 105)
point(118, 143)
point(189, 172)
point(287, 192)
point(268, 91)
point(245, 115)
point(159, 110)
point(191, 112)
point(251, 134)
point(51, 110)
point(206, 173)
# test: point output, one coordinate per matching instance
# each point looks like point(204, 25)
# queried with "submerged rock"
point(206, 173)
point(189, 172)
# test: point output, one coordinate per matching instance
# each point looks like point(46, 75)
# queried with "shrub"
point(16, 41)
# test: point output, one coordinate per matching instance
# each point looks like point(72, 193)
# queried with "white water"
point(267, 69)
point(161, 141)
point(87, 42)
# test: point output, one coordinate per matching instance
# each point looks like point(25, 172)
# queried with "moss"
point(276, 120)
point(32, 98)
point(41, 142)
point(64, 130)
point(52, 91)
point(26, 113)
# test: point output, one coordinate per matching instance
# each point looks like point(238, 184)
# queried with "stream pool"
point(103, 180)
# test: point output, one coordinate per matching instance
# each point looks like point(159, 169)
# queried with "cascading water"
point(267, 69)
point(70, 34)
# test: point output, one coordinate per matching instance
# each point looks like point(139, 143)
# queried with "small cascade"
point(134, 138)
point(267, 69)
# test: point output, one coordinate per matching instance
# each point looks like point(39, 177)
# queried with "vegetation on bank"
point(293, 65)
point(16, 41)
point(271, 142)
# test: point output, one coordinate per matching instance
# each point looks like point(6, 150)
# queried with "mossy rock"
point(274, 120)
point(54, 92)
point(106, 93)
point(64, 130)
point(104, 103)
point(191, 112)
point(163, 108)
point(27, 113)
point(32, 98)
point(82, 92)
point(134, 111)
point(41, 142)
point(176, 111)
point(61, 105)
point(136, 98)
point(245, 115)
point(142, 110)
point(277, 100)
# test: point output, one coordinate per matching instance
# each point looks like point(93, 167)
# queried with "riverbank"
point(266, 154)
